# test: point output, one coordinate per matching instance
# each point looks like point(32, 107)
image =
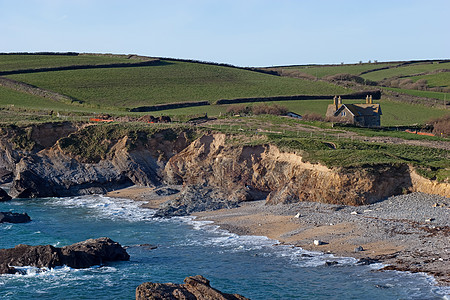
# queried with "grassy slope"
point(171, 82)
point(10, 97)
point(19, 62)
point(405, 70)
point(435, 80)
point(321, 71)
point(426, 94)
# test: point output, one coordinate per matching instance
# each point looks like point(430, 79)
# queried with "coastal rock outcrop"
point(194, 287)
point(194, 198)
point(67, 169)
point(80, 255)
point(10, 217)
point(4, 195)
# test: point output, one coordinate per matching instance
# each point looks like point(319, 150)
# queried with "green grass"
point(411, 69)
point(394, 113)
point(431, 163)
point(9, 97)
point(441, 79)
point(20, 62)
point(425, 94)
point(94, 143)
point(322, 71)
point(171, 82)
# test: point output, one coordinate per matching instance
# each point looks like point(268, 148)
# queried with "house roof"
point(360, 109)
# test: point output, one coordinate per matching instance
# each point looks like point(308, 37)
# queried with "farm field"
point(322, 71)
point(426, 94)
point(115, 90)
point(21, 62)
point(170, 82)
point(441, 79)
point(406, 70)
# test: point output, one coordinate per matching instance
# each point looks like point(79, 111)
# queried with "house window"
point(343, 113)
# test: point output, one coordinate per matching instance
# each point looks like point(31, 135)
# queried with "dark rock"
point(367, 261)
point(166, 191)
point(5, 175)
point(359, 249)
point(5, 269)
point(10, 217)
point(331, 263)
point(195, 198)
point(194, 287)
point(80, 255)
point(4, 195)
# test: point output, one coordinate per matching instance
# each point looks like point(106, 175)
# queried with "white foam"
point(265, 246)
point(102, 207)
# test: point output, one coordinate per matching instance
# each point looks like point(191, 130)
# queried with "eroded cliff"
point(96, 159)
point(286, 177)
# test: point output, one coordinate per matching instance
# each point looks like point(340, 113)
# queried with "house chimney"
point(367, 99)
point(370, 100)
point(335, 103)
point(339, 101)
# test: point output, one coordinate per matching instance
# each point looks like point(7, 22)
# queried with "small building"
point(365, 115)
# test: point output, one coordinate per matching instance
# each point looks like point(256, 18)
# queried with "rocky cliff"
point(80, 160)
point(285, 176)
point(107, 160)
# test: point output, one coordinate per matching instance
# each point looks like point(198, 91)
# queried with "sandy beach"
point(407, 232)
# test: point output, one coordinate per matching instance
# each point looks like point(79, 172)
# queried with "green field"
point(426, 94)
point(170, 82)
point(10, 97)
point(441, 79)
point(21, 62)
point(406, 70)
point(322, 71)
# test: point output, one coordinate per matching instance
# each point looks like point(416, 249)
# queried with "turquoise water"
point(251, 266)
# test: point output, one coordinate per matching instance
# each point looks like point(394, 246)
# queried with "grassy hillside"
point(410, 69)
point(21, 62)
point(170, 82)
point(354, 69)
point(114, 90)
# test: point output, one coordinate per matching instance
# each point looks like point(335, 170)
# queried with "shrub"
point(274, 109)
point(238, 109)
point(441, 126)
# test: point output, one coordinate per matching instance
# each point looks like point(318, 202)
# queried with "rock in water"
point(10, 217)
point(4, 195)
point(80, 255)
point(194, 287)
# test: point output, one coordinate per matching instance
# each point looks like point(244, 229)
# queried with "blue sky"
point(239, 32)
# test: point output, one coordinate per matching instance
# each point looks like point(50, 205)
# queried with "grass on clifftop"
point(94, 143)
point(430, 162)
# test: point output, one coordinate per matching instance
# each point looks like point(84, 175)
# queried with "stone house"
point(364, 115)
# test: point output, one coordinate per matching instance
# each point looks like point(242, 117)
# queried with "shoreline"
point(407, 232)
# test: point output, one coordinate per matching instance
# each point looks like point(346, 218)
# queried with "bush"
point(266, 109)
point(441, 126)
point(238, 109)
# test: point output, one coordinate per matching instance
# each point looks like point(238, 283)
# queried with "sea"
point(253, 266)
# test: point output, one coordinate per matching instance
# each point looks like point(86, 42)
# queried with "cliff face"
point(284, 175)
point(55, 172)
point(55, 166)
